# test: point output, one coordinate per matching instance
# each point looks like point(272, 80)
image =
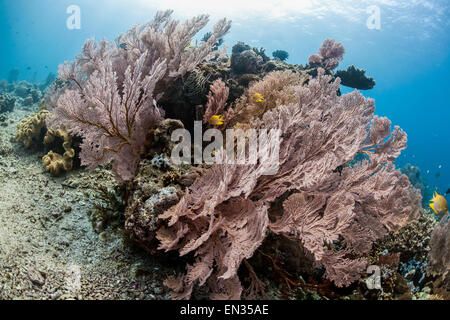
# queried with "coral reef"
point(412, 242)
point(217, 99)
point(247, 61)
point(439, 256)
point(33, 133)
point(56, 163)
point(160, 161)
point(355, 78)
point(414, 272)
point(335, 203)
point(28, 92)
point(160, 138)
point(276, 88)
point(30, 130)
point(185, 99)
point(21, 93)
point(281, 55)
point(223, 217)
point(330, 54)
point(114, 103)
point(154, 190)
point(112, 126)
point(402, 258)
point(7, 103)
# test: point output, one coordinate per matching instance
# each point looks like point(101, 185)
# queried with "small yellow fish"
point(258, 97)
point(216, 120)
point(188, 46)
point(438, 204)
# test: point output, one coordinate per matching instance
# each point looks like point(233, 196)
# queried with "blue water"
point(408, 56)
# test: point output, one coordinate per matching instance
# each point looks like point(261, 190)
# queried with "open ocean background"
point(408, 57)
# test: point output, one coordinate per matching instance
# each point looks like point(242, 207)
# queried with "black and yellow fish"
point(439, 204)
point(123, 46)
point(216, 120)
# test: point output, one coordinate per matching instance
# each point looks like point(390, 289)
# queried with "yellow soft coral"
point(53, 162)
point(30, 128)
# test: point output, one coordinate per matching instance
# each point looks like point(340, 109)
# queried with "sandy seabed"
point(48, 246)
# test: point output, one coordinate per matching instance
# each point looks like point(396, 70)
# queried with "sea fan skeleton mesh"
point(223, 216)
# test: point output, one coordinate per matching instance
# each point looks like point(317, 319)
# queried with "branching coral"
point(338, 209)
point(412, 242)
point(112, 100)
point(330, 54)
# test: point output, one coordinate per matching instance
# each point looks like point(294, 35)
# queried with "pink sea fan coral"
point(110, 100)
point(169, 39)
point(112, 125)
point(330, 54)
point(223, 218)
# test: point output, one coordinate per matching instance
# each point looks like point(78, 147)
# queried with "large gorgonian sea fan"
point(110, 98)
point(224, 216)
point(113, 126)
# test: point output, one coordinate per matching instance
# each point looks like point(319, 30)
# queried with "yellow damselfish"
point(216, 120)
point(258, 97)
point(438, 204)
point(190, 45)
